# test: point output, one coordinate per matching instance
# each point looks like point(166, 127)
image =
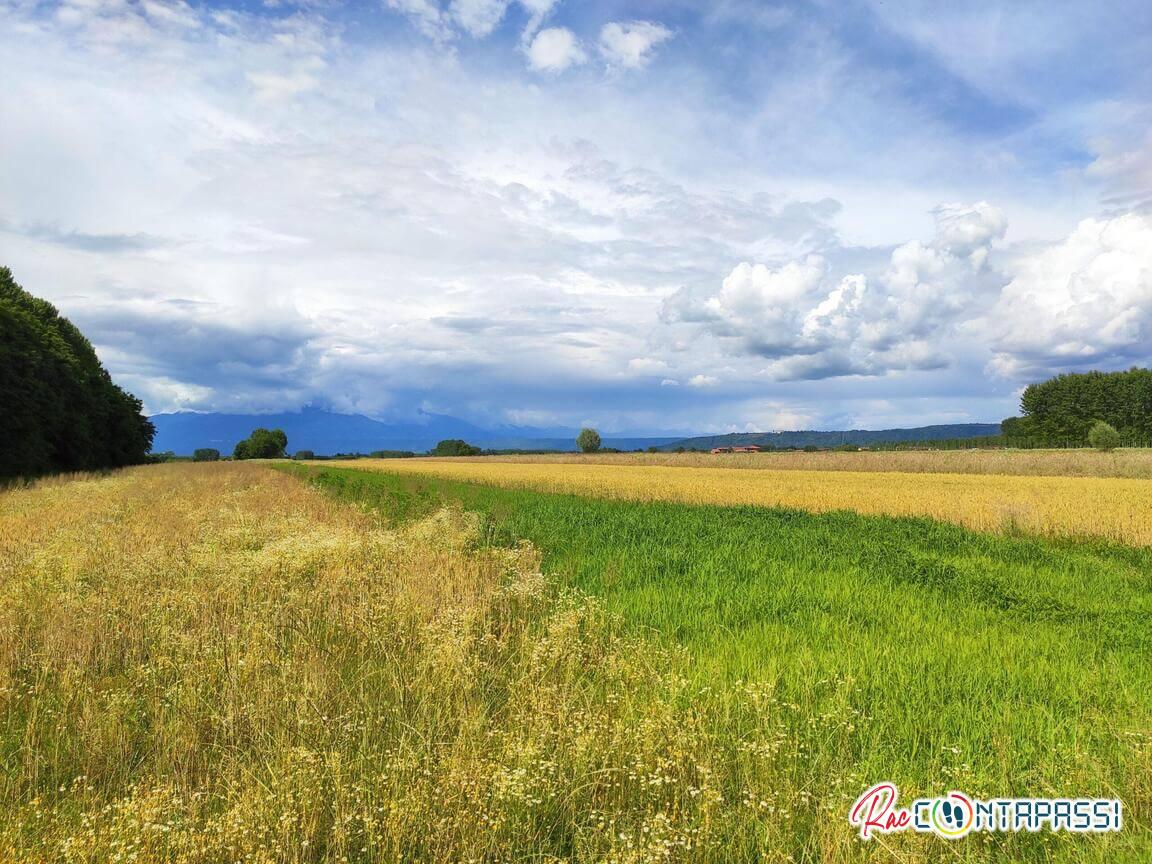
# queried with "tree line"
point(1062, 411)
point(59, 408)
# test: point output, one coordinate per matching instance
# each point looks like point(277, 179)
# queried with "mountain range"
point(326, 432)
point(859, 437)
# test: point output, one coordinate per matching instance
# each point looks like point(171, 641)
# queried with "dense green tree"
point(1060, 411)
point(206, 454)
point(59, 408)
point(262, 444)
point(588, 440)
point(1103, 437)
point(455, 447)
point(302, 455)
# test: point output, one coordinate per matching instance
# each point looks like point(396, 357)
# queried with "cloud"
point(630, 44)
point(270, 86)
point(476, 18)
point(703, 381)
point(427, 15)
point(443, 228)
point(479, 17)
point(555, 49)
point(176, 13)
point(103, 243)
point(1082, 303)
point(810, 323)
point(647, 365)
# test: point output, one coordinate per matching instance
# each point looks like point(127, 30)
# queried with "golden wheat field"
point(1125, 462)
point(1113, 508)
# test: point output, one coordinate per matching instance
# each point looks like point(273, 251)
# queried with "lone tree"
point(455, 447)
point(588, 440)
point(1103, 436)
point(262, 444)
point(206, 454)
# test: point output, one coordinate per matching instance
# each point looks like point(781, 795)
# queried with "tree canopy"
point(588, 440)
point(262, 444)
point(455, 447)
point(59, 409)
point(1062, 410)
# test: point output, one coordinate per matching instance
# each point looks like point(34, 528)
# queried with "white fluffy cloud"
point(809, 322)
point(703, 381)
point(630, 44)
point(555, 49)
point(443, 228)
point(1085, 302)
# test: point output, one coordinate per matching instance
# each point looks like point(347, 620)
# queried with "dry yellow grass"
point(220, 664)
point(1118, 509)
point(1128, 462)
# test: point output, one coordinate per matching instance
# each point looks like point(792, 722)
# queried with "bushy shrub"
point(1103, 437)
point(206, 454)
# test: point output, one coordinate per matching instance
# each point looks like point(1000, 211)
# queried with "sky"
point(645, 216)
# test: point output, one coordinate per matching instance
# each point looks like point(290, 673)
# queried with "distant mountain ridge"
point(859, 437)
point(326, 432)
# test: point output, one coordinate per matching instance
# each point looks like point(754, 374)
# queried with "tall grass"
point(899, 649)
point(1130, 462)
point(217, 663)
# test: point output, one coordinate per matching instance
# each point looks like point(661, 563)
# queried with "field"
point(204, 663)
point(1125, 462)
point(1113, 508)
point(901, 648)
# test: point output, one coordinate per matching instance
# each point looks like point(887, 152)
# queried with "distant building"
point(751, 448)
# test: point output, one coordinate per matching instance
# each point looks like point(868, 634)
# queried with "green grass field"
point(887, 649)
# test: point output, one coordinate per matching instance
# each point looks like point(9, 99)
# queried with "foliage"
point(1060, 412)
point(877, 647)
point(303, 455)
point(588, 440)
point(454, 447)
point(206, 454)
point(1103, 436)
point(262, 444)
point(59, 409)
